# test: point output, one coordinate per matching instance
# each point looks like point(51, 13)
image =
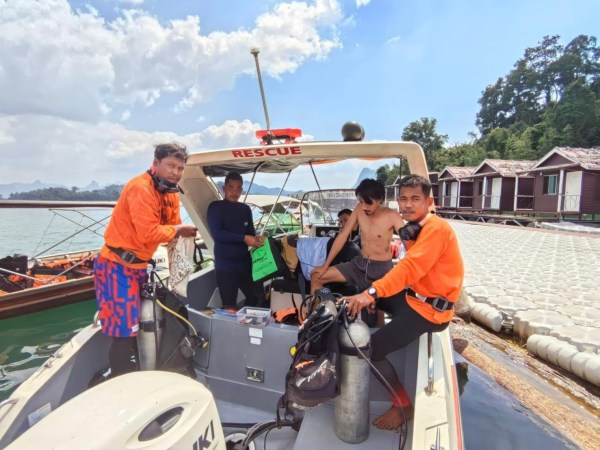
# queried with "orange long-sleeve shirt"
point(142, 219)
point(433, 267)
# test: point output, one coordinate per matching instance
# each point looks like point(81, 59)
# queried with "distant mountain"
point(365, 173)
point(7, 189)
point(37, 185)
point(93, 186)
point(23, 188)
point(262, 190)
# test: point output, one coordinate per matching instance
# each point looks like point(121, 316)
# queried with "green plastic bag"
point(263, 262)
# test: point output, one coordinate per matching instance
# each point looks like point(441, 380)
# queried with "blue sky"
point(89, 87)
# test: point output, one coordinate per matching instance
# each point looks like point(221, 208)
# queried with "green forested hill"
point(55, 193)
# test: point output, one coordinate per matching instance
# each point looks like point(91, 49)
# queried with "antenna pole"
point(255, 51)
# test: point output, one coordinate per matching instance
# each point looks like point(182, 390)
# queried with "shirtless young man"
point(418, 293)
point(377, 223)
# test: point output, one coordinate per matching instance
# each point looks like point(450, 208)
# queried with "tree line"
point(108, 193)
point(550, 98)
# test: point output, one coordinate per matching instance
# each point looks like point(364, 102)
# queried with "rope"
point(79, 225)
point(44, 235)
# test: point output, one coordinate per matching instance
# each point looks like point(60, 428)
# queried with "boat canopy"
point(199, 190)
point(285, 157)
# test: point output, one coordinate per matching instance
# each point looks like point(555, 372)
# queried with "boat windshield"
point(293, 201)
point(322, 207)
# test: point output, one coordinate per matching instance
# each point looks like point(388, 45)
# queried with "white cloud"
point(6, 136)
point(392, 40)
point(230, 134)
point(70, 79)
point(53, 61)
point(77, 65)
point(132, 2)
point(73, 153)
point(360, 3)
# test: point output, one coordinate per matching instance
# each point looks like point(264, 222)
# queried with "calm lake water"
point(492, 418)
point(33, 231)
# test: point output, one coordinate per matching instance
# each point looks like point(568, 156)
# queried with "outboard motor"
point(151, 327)
point(147, 410)
point(352, 405)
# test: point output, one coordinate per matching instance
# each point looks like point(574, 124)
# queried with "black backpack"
point(178, 343)
point(314, 375)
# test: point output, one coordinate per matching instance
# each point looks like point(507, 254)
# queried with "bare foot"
point(394, 417)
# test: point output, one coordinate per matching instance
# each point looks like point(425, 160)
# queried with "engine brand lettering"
point(350, 195)
point(203, 440)
point(274, 151)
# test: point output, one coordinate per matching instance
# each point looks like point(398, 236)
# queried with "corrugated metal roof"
point(508, 167)
point(457, 172)
point(549, 168)
point(588, 158)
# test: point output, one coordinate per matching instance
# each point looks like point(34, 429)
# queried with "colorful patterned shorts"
point(118, 297)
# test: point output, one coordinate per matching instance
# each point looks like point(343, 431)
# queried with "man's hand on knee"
point(318, 272)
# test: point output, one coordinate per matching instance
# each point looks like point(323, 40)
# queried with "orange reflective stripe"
point(303, 364)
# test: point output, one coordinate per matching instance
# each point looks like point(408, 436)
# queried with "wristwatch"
point(372, 292)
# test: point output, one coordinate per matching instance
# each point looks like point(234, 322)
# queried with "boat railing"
point(430, 372)
point(8, 401)
point(98, 223)
point(525, 202)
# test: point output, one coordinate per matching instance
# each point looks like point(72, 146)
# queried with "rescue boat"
point(237, 365)
point(242, 370)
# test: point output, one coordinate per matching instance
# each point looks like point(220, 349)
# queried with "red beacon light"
point(287, 135)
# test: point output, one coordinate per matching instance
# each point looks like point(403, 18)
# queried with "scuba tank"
point(352, 405)
point(151, 327)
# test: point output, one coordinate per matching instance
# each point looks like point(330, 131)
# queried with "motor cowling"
point(138, 410)
point(352, 405)
point(151, 328)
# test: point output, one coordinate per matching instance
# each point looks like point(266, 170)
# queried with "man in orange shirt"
point(146, 215)
point(419, 292)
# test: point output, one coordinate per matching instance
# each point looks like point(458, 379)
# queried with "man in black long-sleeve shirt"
point(232, 229)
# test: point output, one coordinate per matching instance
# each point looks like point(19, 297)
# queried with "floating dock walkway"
point(542, 286)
